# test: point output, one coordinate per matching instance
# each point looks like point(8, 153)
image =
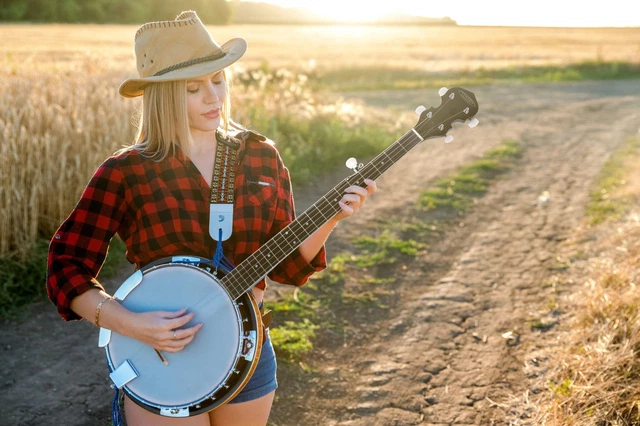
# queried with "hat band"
point(190, 62)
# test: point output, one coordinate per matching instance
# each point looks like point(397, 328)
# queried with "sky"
point(546, 13)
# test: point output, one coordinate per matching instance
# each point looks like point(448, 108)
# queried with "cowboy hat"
point(178, 50)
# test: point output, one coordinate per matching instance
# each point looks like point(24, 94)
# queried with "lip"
point(214, 113)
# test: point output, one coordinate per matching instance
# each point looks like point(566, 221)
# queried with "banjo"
point(219, 361)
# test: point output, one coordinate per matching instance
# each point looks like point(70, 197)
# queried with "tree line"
point(211, 12)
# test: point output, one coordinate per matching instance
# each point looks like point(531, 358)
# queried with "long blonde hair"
point(163, 120)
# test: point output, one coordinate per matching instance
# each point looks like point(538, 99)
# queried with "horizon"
point(544, 13)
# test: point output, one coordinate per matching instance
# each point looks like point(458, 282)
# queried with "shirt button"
point(57, 237)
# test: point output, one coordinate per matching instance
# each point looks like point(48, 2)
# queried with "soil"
point(437, 357)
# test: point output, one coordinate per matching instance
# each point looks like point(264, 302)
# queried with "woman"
point(154, 195)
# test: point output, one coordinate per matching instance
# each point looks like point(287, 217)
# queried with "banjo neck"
point(457, 105)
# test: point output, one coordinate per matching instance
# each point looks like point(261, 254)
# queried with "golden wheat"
point(55, 132)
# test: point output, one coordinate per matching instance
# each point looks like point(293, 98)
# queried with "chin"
point(208, 127)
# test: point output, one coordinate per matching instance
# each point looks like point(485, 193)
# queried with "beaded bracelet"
point(99, 307)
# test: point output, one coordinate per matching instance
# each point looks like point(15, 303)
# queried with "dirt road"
point(423, 365)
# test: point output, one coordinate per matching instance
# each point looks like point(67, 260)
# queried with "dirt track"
point(422, 366)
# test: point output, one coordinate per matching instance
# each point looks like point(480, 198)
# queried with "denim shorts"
point(263, 381)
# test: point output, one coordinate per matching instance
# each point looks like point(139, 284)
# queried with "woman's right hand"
point(161, 329)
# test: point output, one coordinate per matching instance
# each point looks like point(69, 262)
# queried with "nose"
point(211, 94)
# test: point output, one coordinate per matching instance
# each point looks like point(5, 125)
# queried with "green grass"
point(563, 388)
point(384, 249)
point(457, 192)
point(294, 337)
point(602, 205)
point(384, 78)
point(311, 147)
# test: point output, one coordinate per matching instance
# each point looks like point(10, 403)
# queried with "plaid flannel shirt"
point(161, 209)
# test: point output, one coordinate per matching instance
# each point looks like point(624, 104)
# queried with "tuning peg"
point(352, 163)
point(420, 109)
point(448, 139)
point(473, 122)
point(442, 91)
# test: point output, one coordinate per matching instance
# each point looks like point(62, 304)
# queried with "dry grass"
point(596, 366)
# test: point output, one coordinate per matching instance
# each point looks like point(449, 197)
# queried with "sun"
point(350, 11)
point(343, 11)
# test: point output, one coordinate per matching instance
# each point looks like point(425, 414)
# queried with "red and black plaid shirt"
point(161, 209)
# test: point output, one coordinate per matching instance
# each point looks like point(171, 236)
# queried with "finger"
point(355, 189)
point(172, 324)
point(352, 198)
point(345, 208)
point(174, 314)
point(180, 343)
point(371, 186)
point(173, 349)
point(185, 332)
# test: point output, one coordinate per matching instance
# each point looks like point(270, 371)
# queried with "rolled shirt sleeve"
point(79, 247)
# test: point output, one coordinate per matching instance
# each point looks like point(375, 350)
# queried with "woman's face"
point(205, 97)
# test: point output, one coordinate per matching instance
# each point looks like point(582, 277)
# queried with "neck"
point(202, 142)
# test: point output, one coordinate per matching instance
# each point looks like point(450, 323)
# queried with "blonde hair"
point(163, 121)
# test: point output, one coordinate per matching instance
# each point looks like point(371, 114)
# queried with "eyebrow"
point(219, 73)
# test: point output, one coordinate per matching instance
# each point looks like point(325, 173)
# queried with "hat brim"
point(234, 49)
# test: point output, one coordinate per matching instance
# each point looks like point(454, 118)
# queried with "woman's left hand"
point(354, 198)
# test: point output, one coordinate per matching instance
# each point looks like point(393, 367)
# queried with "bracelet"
point(99, 307)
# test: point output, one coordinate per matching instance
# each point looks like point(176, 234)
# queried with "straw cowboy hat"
point(178, 50)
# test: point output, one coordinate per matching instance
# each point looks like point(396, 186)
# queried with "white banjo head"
point(194, 373)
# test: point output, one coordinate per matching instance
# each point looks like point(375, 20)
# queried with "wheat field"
point(61, 114)
point(423, 48)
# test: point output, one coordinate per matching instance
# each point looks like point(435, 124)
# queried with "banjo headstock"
point(457, 104)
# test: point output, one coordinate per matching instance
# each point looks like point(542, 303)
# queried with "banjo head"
point(209, 370)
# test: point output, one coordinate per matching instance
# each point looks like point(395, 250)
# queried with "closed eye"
point(216, 82)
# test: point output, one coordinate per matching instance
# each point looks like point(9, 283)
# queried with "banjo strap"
point(222, 189)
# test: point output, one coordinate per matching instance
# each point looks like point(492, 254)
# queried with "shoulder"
point(121, 168)
point(131, 161)
point(256, 145)
point(128, 155)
